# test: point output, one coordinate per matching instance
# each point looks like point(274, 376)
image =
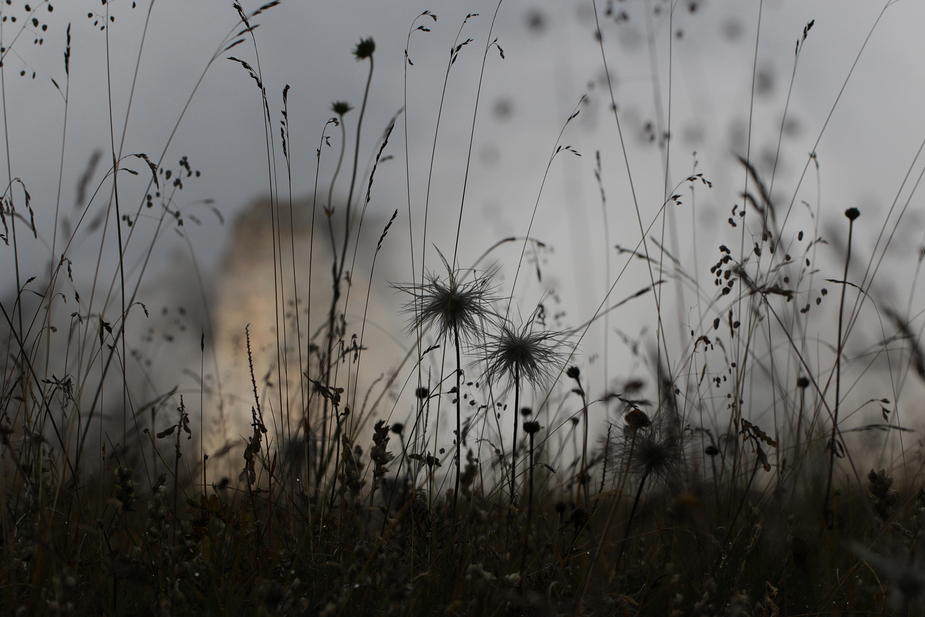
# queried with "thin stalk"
point(514, 443)
point(852, 214)
point(458, 414)
point(629, 524)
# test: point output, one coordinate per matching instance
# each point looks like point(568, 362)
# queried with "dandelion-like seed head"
point(451, 305)
point(656, 453)
point(524, 354)
point(657, 449)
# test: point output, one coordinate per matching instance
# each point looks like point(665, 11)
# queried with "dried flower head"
point(451, 305)
point(523, 354)
point(657, 450)
point(364, 49)
point(341, 108)
point(637, 419)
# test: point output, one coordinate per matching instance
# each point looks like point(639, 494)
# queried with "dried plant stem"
point(827, 515)
point(458, 414)
point(629, 524)
point(607, 525)
point(514, 443)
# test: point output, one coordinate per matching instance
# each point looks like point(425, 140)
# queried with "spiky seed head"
point(451, 305)
point(655, 449)
point(656, 453)
point(531, 428)
point(523, 354)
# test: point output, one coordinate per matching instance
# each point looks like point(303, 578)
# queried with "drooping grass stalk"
point(307, 425)
point(852, 214)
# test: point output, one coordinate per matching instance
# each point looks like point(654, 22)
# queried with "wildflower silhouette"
point(522, 355)
point(652, 449)
point(458, 309)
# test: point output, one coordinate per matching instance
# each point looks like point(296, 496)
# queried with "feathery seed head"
point(524, 354)
point(655, 446)
point(451, 305)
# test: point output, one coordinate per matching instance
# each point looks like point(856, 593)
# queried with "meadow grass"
point(729, 481)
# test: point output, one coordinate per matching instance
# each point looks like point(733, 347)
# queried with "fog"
point(510, 158)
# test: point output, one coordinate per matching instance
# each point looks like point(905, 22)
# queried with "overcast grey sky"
point(551, 58)
point(688, 62)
